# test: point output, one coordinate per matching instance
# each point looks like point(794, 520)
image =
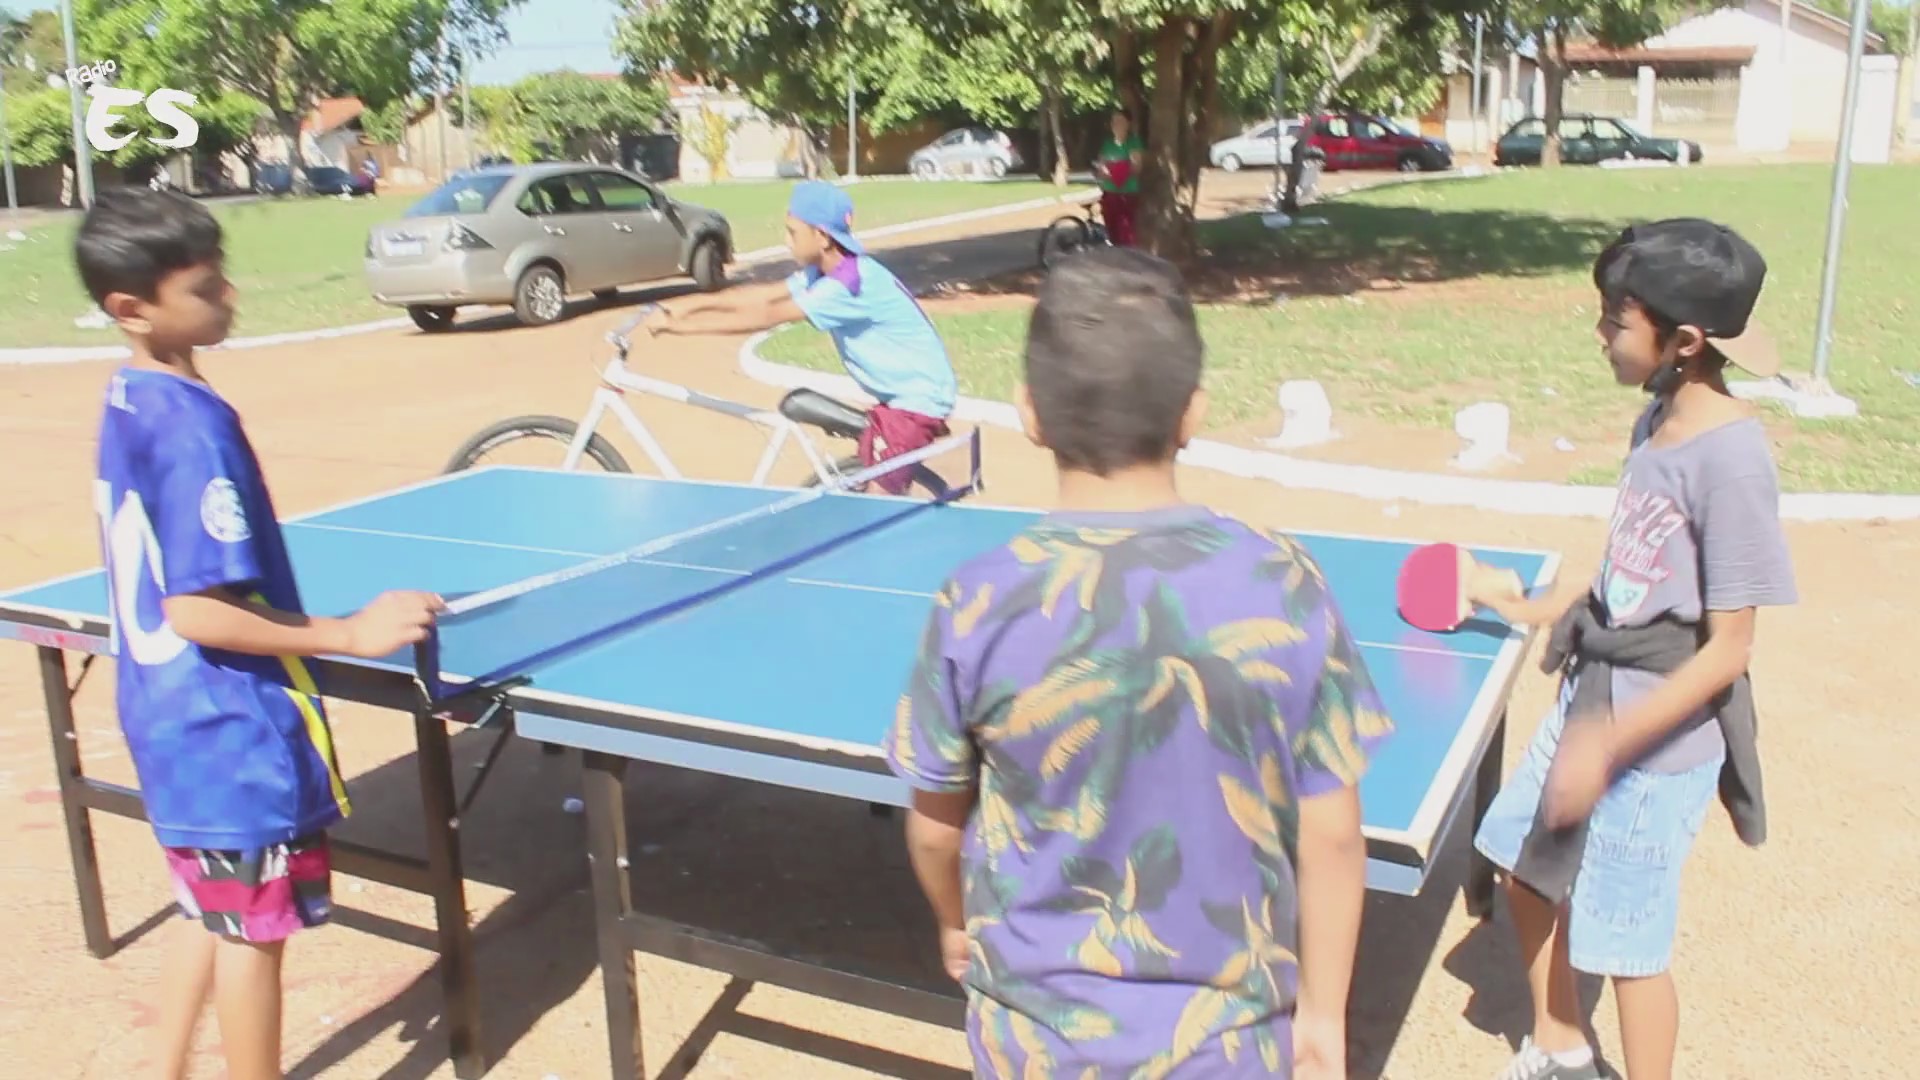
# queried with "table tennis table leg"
point(71, 773)
point(603, 789)
point(1486, 783)
point(461, 994)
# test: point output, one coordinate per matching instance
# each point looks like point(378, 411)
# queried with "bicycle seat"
point(816, 409)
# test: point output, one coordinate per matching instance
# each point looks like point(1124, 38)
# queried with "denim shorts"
point(1626, 900)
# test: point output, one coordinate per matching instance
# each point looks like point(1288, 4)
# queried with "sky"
point(542, 35)
point(548, 34)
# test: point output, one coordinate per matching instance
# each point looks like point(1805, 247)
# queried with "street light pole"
point(82, 161)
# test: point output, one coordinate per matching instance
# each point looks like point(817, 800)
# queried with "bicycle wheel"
point(921, 477)
point(546, 436)
point(1064, 237)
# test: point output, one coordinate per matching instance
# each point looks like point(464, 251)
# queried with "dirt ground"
point(1795, 960)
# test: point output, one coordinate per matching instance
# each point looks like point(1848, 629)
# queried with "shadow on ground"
point(724, 854)
point(1362, 247)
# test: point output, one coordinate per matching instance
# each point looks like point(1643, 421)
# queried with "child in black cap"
point(1595, 823)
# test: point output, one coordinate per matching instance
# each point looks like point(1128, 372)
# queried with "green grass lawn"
point(1418, 299)
point(296, 262)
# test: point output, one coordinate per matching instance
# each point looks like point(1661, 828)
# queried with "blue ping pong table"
point(707, 685)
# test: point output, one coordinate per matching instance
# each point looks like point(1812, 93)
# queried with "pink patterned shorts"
point(265, 894)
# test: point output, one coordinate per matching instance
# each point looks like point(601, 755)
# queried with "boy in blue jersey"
point(222, 716)
point(885, 339)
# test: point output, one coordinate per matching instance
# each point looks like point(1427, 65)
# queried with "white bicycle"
point(798, 411)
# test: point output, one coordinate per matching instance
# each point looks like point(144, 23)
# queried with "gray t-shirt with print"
point(1696, 528)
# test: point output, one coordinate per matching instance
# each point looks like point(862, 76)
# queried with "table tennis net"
point(513, 629)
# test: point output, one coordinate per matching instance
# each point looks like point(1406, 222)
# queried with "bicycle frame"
point(616, 380)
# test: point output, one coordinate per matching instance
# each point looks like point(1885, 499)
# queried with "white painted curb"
point(64, 354)
point(1534, 498)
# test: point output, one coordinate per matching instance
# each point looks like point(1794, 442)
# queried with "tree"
point(40, 127)
point(565, 112)
point(30, 49)
point(1166, 59)
point(1549, 25)
point(285, 54)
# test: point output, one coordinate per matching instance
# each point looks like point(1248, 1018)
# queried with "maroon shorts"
point(264, 894)
point(891, 432)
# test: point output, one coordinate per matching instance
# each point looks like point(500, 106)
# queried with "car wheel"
point(1231, 163)
point(998, 167)
point(540, 297)
point(1410, 163)
point(923, 169)
point(431, 318)
point(706, 268)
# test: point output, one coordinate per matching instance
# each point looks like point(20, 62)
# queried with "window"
point(1333, 127)
point(1607, 129)
point(621, 195)
point(1573, 128)
point(1373, 129)
point(952, 138)
point(568, 194)
point(1261, 133)
point(460, 195)
point(1530, 129)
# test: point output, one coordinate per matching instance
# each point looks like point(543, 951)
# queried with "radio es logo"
point(163, 105)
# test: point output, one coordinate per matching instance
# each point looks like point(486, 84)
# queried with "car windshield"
point(1398, 128)
point(1631, 131)
point(460, 195)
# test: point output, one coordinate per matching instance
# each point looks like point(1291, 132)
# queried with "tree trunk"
point(1553, 68)
point(1342, 69)
point(1158, 219)
point(1203, 93)
point(1053, 128)
point(1130, 86)
point(289, 127)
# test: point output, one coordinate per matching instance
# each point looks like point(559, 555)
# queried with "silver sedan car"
point(531, 235)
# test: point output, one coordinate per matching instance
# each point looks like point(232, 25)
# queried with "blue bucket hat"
point(828, 208)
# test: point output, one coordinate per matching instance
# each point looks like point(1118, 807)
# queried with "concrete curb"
point(1534, 498)
point(68, 354)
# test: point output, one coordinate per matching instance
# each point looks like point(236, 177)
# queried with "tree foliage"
point(40, 127)
point(30, 49)
point(566, 113)
point(285, 54)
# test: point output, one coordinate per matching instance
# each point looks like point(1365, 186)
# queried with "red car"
point(1359, 141)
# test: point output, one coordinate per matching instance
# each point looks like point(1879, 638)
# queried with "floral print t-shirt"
point(1141, 700)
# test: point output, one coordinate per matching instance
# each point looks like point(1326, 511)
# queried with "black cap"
point(1698, 273)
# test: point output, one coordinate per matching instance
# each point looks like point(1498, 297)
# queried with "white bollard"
point(1484, 426)
point(1306, 412)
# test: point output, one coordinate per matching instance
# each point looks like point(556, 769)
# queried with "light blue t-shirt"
point(887, 342)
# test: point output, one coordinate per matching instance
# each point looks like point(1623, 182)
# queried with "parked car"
point(531, 235)
point(329, 180)
point(966, 150)
point(1359, 141)
point(1586, 139)
point(277, 179)
point(1255, 147)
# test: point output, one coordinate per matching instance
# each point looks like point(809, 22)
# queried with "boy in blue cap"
point(885, 339)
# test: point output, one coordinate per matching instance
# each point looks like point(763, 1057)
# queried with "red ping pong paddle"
point(1436, 581)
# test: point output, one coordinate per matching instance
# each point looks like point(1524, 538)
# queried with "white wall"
point(1816, 64)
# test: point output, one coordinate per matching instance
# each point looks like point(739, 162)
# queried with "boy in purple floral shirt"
point(1134, 735)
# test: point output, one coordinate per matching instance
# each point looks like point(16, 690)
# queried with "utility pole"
point(1479, 35)
point(466, 102)
point(853, 131)
point(82, 161)
point(440, 100)
point(6, 144)
point(1837, 204)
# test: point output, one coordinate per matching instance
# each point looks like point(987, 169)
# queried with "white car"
point(1254, 147)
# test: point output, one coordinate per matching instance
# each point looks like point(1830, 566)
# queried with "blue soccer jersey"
point(232, 751)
